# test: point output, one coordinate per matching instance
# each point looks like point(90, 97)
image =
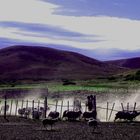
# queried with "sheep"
point(88, 115)
point(3, 108)
point(21, 111)
point(126, 115)
point(24, 111)
point(53, 115)
point(50, 122)
point(72, 115)
point(93, 123)
point(36, 114)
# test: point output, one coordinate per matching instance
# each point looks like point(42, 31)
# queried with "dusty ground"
point(22, 129)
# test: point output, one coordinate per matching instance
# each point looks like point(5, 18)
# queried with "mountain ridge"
point(131, 63)
point(42, 63)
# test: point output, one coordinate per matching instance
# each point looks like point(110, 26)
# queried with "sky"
point(102, 29)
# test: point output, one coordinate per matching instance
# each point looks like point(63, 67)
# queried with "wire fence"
point(15, 107)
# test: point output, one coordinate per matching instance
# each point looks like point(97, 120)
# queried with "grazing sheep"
point(3, 108)
point(88, 115)
point(53, 115)
point(24, 111)
point(50, 122)
point(126, 115)
point(21, 111)
point(72, 115)
point(36, 114)
point(93, 122)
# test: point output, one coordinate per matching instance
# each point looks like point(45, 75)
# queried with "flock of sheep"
point(54, 116)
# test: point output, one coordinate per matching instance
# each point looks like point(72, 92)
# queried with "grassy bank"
point(97, 86)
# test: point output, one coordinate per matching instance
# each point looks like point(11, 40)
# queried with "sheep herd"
point(54, 116)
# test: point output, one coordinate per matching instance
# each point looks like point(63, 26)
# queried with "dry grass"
point(22, 129)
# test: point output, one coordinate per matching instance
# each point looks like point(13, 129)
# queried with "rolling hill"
point(132, 63)
point(42, 63)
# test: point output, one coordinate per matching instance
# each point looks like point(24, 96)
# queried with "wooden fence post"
point(22, 104)
point(134, 107)
point(107, 111)
point(74, 105)
point(0, 109)
point(94, 105)
point(33, 109)
point(85, 107)
point(111, 111)
point(11, 107)
point(5, 102)
point(61, 109)
point(16, 107)
point(26, 104)
point(38, 104)
point(122, 107)
point(45, 107)
point(56, 105)
point(127, 106)
point(68, 105)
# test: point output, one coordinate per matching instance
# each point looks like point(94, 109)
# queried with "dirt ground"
point(22, 129)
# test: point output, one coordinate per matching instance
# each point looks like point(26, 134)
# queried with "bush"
point(68, 82)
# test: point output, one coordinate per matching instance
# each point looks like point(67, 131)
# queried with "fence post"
point(56, 105)
point(61, 109)
point(16, 107)
point(107, 111)
point(33, 109)
point(26, 104)
point(22, 104)
point(134, 107)
point(111, 111)
point(5, 102)
point(80, 106)
point(122, 107)
point(95, 105)
point(0, 109)
point(45, 107)
point(85, 107)
point(127, 106)
point(38, 104)
point(11, 107)
point(74, 105)
point(68, 105)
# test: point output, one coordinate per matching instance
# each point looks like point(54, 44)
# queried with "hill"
point(42, 63)
point(132, 63)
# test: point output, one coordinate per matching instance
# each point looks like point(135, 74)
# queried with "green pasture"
point(91, 85)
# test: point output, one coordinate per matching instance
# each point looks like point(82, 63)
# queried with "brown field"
point(22, 129)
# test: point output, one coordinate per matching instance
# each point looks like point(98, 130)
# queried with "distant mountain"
point(42, 63)
point(132, 63)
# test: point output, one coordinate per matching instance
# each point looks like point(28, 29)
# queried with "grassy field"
point(97, 86)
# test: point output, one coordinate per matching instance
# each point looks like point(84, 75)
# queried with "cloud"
point(29, 20)
point(40, 28)
point(116, 8)
point(44, 30)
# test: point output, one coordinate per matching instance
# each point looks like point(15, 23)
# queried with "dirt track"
point(22, 129)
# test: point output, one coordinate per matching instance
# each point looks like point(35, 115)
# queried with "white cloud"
point(114, 32)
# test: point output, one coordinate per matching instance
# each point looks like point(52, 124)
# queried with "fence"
point(10, 107)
